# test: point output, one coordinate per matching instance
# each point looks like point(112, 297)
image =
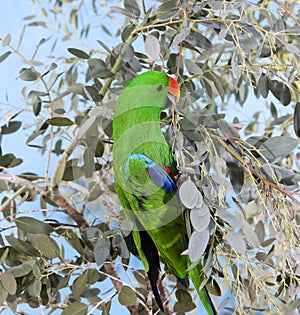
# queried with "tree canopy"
point(65, 244)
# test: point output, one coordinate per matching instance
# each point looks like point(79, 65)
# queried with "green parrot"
point(144, 170)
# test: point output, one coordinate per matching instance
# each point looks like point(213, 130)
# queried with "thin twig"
point(291, 15)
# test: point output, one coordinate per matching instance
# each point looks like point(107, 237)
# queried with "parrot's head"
point(174, 88)
point(160, 81)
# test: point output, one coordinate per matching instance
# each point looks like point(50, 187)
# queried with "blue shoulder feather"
point(156, 173)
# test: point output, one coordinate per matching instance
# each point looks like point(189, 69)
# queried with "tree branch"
point(68, 208)
point(165, 297)
point(118, 283)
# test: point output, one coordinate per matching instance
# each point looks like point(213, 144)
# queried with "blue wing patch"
point(157, 174)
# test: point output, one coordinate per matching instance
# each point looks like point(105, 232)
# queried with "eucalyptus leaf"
point(4, 56)
point(192, 67)
point(277, 147)
point(200, 218)
point(197, 244)
point(263, 85)
point(9, 282)
point(28, 74)
point(132, 6)
point(230, 219)
point(6, 40)
point(60, 121)
point(189, 194)
point(32, 225)
point(47, 246)
point(236, 241)
point(79, 284)
point(76, 308)
point(183, 33)
point(11, 127)
point(126, 296)
point(102, 250)
point(185, 302)
point(152, 47)
point(297, 119)
point(23, 269)
point(3, 293)
point(78, 53)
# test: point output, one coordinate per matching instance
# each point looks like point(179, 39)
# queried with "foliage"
point(240, 181)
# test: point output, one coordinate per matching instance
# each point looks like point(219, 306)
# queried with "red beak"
point(174, 88)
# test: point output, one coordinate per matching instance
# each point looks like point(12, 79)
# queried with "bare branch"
point(118, 283)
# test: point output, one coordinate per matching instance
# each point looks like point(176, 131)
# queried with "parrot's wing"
point(152, 195)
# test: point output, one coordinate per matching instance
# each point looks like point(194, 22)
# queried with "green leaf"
point(9, 282)
point(72, 172)
point(9, 160)
point(12, 302)
point(34, 287)
point(3, 256)
point(280, 91)
point(32, 225)
point(152, 47)
point(121, 11)
point(236, 175)
point(28, 74)
point(196, 39)
point(11, 127)
point(92, 276)
point(46, 245)
point(74, 241)
point(98, 69)
point(78, 53)
point(127, 296)
point(213, 287)
point(132, 6)
point(3, 293)
point(23, 269)
point(60, 121)
point(76, 308)
point(34, 93)
point(10, 209)
point(185, 302)
point(263, 85)
point(22, 246)
point(277, 147)
point(37, 106)
point(88, 163)
point(79, 284)
point(99, 149)
point(92, 93)
point(4, 56)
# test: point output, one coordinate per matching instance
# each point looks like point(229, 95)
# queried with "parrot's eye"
point(159, 88)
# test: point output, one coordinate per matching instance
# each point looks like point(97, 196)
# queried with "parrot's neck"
point(143, 120)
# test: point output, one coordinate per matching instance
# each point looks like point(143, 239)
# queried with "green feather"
point(136, 130)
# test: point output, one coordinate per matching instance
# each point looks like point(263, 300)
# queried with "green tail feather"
point(195, 275)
